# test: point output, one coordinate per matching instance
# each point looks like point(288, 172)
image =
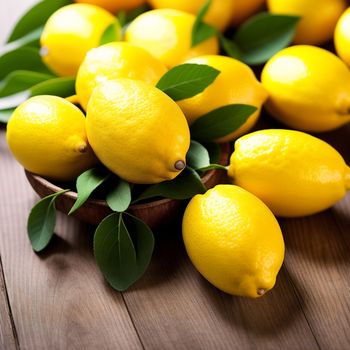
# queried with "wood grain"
point(7, 333)
point(318, 258)
point(59, 299)
point(174, 308)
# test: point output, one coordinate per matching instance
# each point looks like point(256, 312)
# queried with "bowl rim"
point(225, 147)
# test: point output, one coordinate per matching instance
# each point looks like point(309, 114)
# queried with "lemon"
point(342, 37)
point(243, 9)
point(293, 173)
point(309, 88)
point(318, 17)
point(218, 15)
point(116, 60)
point(137, 131)
point(167, 34)
point(114, 5)
point(47, 136)
point(70, 33)
point(233, 240)
point(235, 84)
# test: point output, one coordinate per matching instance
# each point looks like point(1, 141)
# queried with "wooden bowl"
point(156, 213)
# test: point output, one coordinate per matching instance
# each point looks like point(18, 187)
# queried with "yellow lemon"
point(342, 37)
point(293, 173)
point(318, 17)
point(70, 33)
point(116, 60)
point(47, 136)
point(235, 84)
point(233, 240)
point(137, 131)
point(167, 34)
point(309, 88)
point(218, 15)
point(244, 9)
point(114, 5)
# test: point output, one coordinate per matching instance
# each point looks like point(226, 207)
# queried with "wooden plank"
point(174, 308)
point(59, 299)
point(319, 258)
point(7, 333)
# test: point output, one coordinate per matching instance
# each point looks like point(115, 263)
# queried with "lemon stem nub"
point(83, 148)
point(180, 165)
point(44, 51)
point(261, 291)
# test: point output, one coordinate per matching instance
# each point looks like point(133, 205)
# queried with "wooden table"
point(59, 300)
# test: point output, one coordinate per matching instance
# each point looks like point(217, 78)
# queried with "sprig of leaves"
point(123, 247)
point(42, 221)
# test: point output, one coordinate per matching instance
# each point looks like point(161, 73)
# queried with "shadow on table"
point(276, 310)
point(317, 238)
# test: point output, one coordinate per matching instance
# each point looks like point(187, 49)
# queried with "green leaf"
point(87, 182)
point(24, 58)
point(36, 17)
point(187, 80)
point(119, 196)
point(63, 87)
point(143, 241)
point(221, 122)
point(20, 80)
point(41, 222)
point(230, 47)
point(202, 31)
point(213, 167)
point(197, 156)
point(5, 115)
point(264, 35)
point(184, 186)
point(112, 33)
point(30, 39)
point(123, 254)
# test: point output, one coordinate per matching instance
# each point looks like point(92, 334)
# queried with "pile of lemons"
point(143, 136)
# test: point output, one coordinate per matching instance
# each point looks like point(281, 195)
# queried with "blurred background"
point(10, 11)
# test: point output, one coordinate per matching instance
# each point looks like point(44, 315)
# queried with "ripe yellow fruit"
point(218, 15)
point(70, 33)
point(167, 34)
point(293, 173)
point(318, 18)
point(47, 136)
point(342, 37)
point(137, 131)
point(114, 5)
point(233, 240)
point(309, 88)
point(244, 9)
point(235, 84)
point(116, 60)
